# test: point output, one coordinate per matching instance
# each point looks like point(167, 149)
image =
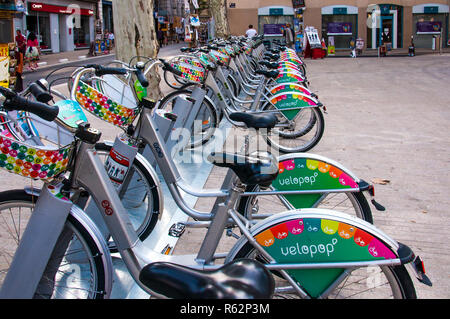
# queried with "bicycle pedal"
point(177, 229)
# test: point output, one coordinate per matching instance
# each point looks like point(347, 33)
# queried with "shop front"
point(59, 27)
point(430, 25)
point(385, 26)
point(272, 19)
point(339, 25)
point(7, 14)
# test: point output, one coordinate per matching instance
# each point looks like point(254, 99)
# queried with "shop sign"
point(434, 9)
point(42, 7)
point(4, 65)
point(429, 27)
point(339, 28)
point(276, 11)
point(298, 3)
point(273, 29)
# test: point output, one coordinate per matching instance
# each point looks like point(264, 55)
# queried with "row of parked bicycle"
point(302, 223)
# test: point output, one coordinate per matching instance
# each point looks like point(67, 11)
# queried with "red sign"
point(37, 6)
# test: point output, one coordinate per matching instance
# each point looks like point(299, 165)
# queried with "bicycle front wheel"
point(77, 268)
point(206, 120)
point(140, 197)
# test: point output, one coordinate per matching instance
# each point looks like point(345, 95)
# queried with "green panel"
point(141, 91)
point(430, 9)
point(276, 11)
point(316, 240)
point(339, 10)
point(290, 100)
point(310, 174)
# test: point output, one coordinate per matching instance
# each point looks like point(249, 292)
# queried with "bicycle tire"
point(143, 225)
point(311, 134)
point(94, 252)
point(177, 83)
point(396, 277)
point(213, 123)
point(357, 203)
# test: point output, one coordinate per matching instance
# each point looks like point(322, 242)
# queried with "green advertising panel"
point(316, 240)
point(292, 99)
point(310, 174)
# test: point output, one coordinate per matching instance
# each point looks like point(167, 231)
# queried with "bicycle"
point(71, 231)
point(337, 244)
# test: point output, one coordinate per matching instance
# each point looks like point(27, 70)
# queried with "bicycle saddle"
point(268, 74)
point(255, 120)
point(255, 169)
point(270, 65)
point(240, 279)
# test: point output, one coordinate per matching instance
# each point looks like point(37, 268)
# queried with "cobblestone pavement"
point(388, 118)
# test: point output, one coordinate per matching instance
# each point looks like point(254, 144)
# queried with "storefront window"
point(40, 25)
point(342, 27)
point(81, 36)
point(425, 26)
point(6, 35)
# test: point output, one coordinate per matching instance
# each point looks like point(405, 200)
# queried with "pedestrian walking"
point(18, 86)
point(288, 36)
point(32, 52)
point(21, 41)
point(251, 32)
point(160, 36)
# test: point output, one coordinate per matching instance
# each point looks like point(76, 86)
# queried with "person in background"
point(250, 33)
point(111, 40)
point(160, 36)
point(32, 51)
point(18, 87)
point(21, 41)
point(288, 36)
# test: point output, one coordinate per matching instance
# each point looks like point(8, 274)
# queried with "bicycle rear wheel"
point(77, 268)
point(377, 282)
point(351, 203)
point(300, 134)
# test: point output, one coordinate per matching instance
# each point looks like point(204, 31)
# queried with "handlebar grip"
point(19, 103)
point(103, 70)
point(39, 93)
point(170, 68)
point(141, 78)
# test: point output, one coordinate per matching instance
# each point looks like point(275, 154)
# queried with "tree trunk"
point(218, 10)
point(135, 34)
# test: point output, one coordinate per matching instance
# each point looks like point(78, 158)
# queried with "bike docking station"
point(192, 167)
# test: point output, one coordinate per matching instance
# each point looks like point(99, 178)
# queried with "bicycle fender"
point(293, 101)
point(320, 237)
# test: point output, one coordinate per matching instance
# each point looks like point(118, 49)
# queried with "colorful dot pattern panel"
point(220, 57)
point(189, 72)
point(358, 239)
point(28, 161)
point(103, 107)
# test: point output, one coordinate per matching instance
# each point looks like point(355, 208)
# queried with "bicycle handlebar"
point(168, 67)
point(15, 102)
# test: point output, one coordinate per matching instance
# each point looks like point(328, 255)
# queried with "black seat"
point(270, 65)
point(256, 169)
point(268, 74)
point(255, 120)
point(240, 279)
